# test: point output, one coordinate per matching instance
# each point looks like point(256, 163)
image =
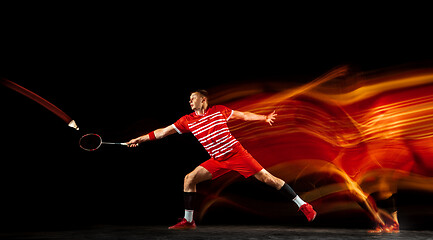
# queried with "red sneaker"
point(378, 229)
point(183, 225)
point(394, 228)
point(308, 211)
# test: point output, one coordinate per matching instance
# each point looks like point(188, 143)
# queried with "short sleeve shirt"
point(210, 129)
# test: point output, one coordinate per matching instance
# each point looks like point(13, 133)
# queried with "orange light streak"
point(360, 133)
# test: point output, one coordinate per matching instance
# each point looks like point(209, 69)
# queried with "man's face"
point(196, 101)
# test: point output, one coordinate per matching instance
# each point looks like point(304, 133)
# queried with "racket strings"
point(90, 142)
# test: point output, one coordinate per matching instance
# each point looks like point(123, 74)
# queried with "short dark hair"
point(202, 92)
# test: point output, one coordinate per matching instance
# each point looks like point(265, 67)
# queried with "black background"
point(122, 72)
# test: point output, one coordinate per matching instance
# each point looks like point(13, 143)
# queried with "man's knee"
point(189, 178)
point(199, 174)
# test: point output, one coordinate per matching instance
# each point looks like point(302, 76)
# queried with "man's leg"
point(287, 191)
point(191, 180)
point(200, 174)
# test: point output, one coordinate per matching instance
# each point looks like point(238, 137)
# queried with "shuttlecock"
point(72, 124)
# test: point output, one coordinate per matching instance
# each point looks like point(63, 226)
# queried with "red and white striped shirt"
point(210, 129)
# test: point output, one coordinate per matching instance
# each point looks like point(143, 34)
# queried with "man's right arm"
point(157, 134)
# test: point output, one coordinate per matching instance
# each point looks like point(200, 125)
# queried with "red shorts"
point(240, 161)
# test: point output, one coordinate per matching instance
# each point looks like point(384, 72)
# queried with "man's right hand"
point(134, 142)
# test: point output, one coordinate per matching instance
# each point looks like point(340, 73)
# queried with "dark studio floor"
point(215, 232)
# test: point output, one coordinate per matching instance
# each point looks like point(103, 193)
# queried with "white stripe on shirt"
point(175, 128)
point(192, 125)
point(218, 123)
point(232, 141)
point(207, 125)
point(201, 140)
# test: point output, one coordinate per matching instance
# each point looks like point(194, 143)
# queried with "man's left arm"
point(249, 116)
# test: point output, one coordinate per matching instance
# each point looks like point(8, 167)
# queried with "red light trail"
point(343, 135)
point(43, 102)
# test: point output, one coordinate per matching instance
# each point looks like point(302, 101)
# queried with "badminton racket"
point(92, 141)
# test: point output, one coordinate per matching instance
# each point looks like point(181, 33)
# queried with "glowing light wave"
point(351, 135)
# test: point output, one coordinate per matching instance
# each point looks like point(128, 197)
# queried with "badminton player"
point(209, 125)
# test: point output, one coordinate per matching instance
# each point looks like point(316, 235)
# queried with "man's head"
point(198, 100)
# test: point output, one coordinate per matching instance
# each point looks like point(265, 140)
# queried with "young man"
point(209, 126)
